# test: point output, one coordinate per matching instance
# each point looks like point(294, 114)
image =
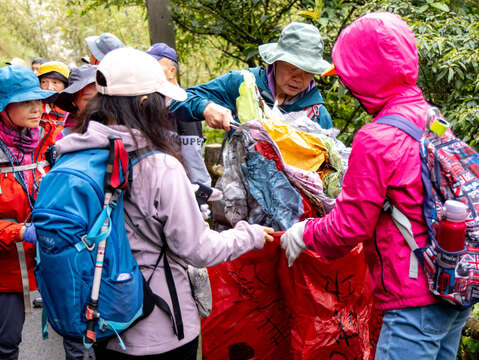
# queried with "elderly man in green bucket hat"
point(287, 80)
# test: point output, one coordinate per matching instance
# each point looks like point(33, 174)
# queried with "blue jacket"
point(224, 91)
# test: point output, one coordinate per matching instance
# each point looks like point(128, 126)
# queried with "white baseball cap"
point(131, 72)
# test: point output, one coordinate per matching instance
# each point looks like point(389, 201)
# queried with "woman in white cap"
point(160, 201)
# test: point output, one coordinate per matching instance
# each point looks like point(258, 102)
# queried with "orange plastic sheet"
point(300, 149)
point(314, 310)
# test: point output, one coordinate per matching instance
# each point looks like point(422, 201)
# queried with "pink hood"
point(376, 58)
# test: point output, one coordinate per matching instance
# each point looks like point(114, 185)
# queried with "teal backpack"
point(91, 285)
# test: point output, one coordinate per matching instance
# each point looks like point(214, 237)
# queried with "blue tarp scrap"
point(281, 203)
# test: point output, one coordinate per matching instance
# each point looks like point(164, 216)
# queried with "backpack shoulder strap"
point(404, 226)
point(176, 318)
point(36, 165)
point(140, 234)
point(401, 220)
point(139, 154)
point(403, 124)
point(134, 158)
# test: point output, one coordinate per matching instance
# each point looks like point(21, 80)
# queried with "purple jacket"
point(376, 58)
point(161, 199)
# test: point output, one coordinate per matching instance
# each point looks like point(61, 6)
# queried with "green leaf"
point(422, 9)
point(440, 6)
point(251, 54)
point(318, 7)
point(323, 21)
point(450, 75)
point(441, 74)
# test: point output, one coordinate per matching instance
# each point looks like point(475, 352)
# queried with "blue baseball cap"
point(161, 50)
point(17, 84)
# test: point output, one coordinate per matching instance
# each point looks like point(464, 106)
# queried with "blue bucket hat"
point(17, 84)
point(103, 44)
point(300, 45)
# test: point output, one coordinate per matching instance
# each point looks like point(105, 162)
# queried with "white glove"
point(205, 211)
point(204, 208)
point(215, 195)
point(292, 241)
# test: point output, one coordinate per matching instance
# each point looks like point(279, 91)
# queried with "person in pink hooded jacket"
point(376, 58)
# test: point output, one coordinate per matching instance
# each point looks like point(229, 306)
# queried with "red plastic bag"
point(314, 310)
point(331, 304)
point(249, 318)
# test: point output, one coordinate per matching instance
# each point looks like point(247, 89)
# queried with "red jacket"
point(14, 205)
point(53, 123)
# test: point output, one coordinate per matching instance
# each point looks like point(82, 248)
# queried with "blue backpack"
point(78, 210)
point(449, 170)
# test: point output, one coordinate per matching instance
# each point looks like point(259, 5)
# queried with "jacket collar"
point(97, 137)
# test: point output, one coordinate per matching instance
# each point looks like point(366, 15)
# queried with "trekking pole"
point(117, 158)
point(91, 309)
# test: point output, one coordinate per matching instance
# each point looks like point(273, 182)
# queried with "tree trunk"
point(160, 24)
point(212, 154)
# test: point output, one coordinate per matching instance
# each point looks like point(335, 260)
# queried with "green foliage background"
point(447, 34)
point(215, 36)
point(56, 29)
point(448, 40)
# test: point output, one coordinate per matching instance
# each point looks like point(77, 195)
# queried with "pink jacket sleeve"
point(355, 215)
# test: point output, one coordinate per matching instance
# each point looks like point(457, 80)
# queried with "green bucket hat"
point(300, 45)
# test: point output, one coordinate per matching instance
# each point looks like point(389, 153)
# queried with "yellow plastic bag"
point(297, 148)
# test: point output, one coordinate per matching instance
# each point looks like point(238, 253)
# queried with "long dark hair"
point(151, 118)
